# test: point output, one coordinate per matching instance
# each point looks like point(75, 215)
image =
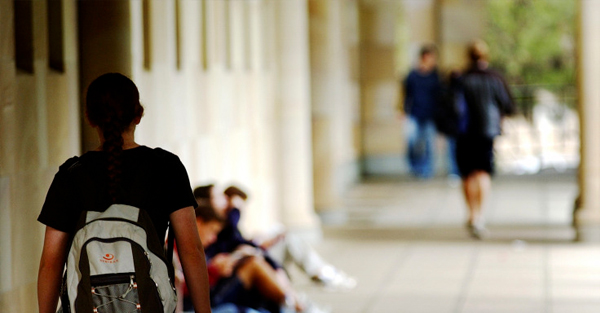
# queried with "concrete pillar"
point(104, 46)
point(335, 100)
point(381, 132)
point(421, 19)
point(293, 105)
point(588, 206)
point(460, 22)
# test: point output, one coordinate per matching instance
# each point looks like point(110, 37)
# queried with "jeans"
point(420, 147)
point(451, 149)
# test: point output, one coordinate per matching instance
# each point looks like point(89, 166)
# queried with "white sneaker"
point(334, 279)
point(478, 230)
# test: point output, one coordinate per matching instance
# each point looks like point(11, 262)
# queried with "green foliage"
point(533, 41)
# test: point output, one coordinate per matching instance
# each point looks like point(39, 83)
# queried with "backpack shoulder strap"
point(170, 248)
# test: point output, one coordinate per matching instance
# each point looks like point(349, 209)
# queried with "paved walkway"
point(407, 245)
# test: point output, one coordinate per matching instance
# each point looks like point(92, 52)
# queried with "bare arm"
point(191, 255)
point(54, 256)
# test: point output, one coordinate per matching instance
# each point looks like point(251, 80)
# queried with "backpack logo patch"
point(109, 258)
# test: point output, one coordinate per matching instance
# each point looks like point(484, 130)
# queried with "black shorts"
point(474, 154)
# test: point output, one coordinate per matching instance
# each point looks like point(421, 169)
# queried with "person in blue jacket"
point(422, 89)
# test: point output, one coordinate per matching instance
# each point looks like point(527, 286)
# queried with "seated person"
point(281, 247)
point(240, 282)
point(230, 238)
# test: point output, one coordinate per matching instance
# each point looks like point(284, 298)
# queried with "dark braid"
point(113, 146)
point(112, 104)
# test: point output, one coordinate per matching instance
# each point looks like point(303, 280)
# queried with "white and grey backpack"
point(117, 263)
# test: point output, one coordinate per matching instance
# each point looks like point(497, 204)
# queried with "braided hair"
point(112, 104)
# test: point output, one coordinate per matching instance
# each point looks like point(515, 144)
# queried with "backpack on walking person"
point(117, 263)
point(451, 115)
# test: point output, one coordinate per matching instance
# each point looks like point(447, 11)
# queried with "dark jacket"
point(488, 100)
point(421, 94)
point(230, 238)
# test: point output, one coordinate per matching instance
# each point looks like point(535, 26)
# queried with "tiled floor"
point(406, 244)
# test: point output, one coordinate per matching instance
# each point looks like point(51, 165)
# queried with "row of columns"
point(452, 24)
point(108, 48)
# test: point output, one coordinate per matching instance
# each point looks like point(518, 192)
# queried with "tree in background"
point(533, 43)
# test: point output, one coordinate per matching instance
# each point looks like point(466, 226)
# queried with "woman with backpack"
point(120, 176)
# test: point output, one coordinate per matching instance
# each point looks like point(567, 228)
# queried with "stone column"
point(293, 114)
point(104, 46)
point(588, 206)
point(8, 146)
point(381, 132)
point(335, 99)
point(460, 22)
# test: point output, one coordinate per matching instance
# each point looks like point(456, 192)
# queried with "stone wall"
point(39, 129)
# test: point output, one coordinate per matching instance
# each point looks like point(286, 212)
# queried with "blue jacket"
point(422, 94)
point(230, 238)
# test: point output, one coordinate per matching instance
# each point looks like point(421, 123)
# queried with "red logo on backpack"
point(109, 258)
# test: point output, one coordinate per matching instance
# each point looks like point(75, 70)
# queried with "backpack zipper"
point(111, 279)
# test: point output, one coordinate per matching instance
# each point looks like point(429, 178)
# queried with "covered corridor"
point(408, 247)
point(296, 101)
